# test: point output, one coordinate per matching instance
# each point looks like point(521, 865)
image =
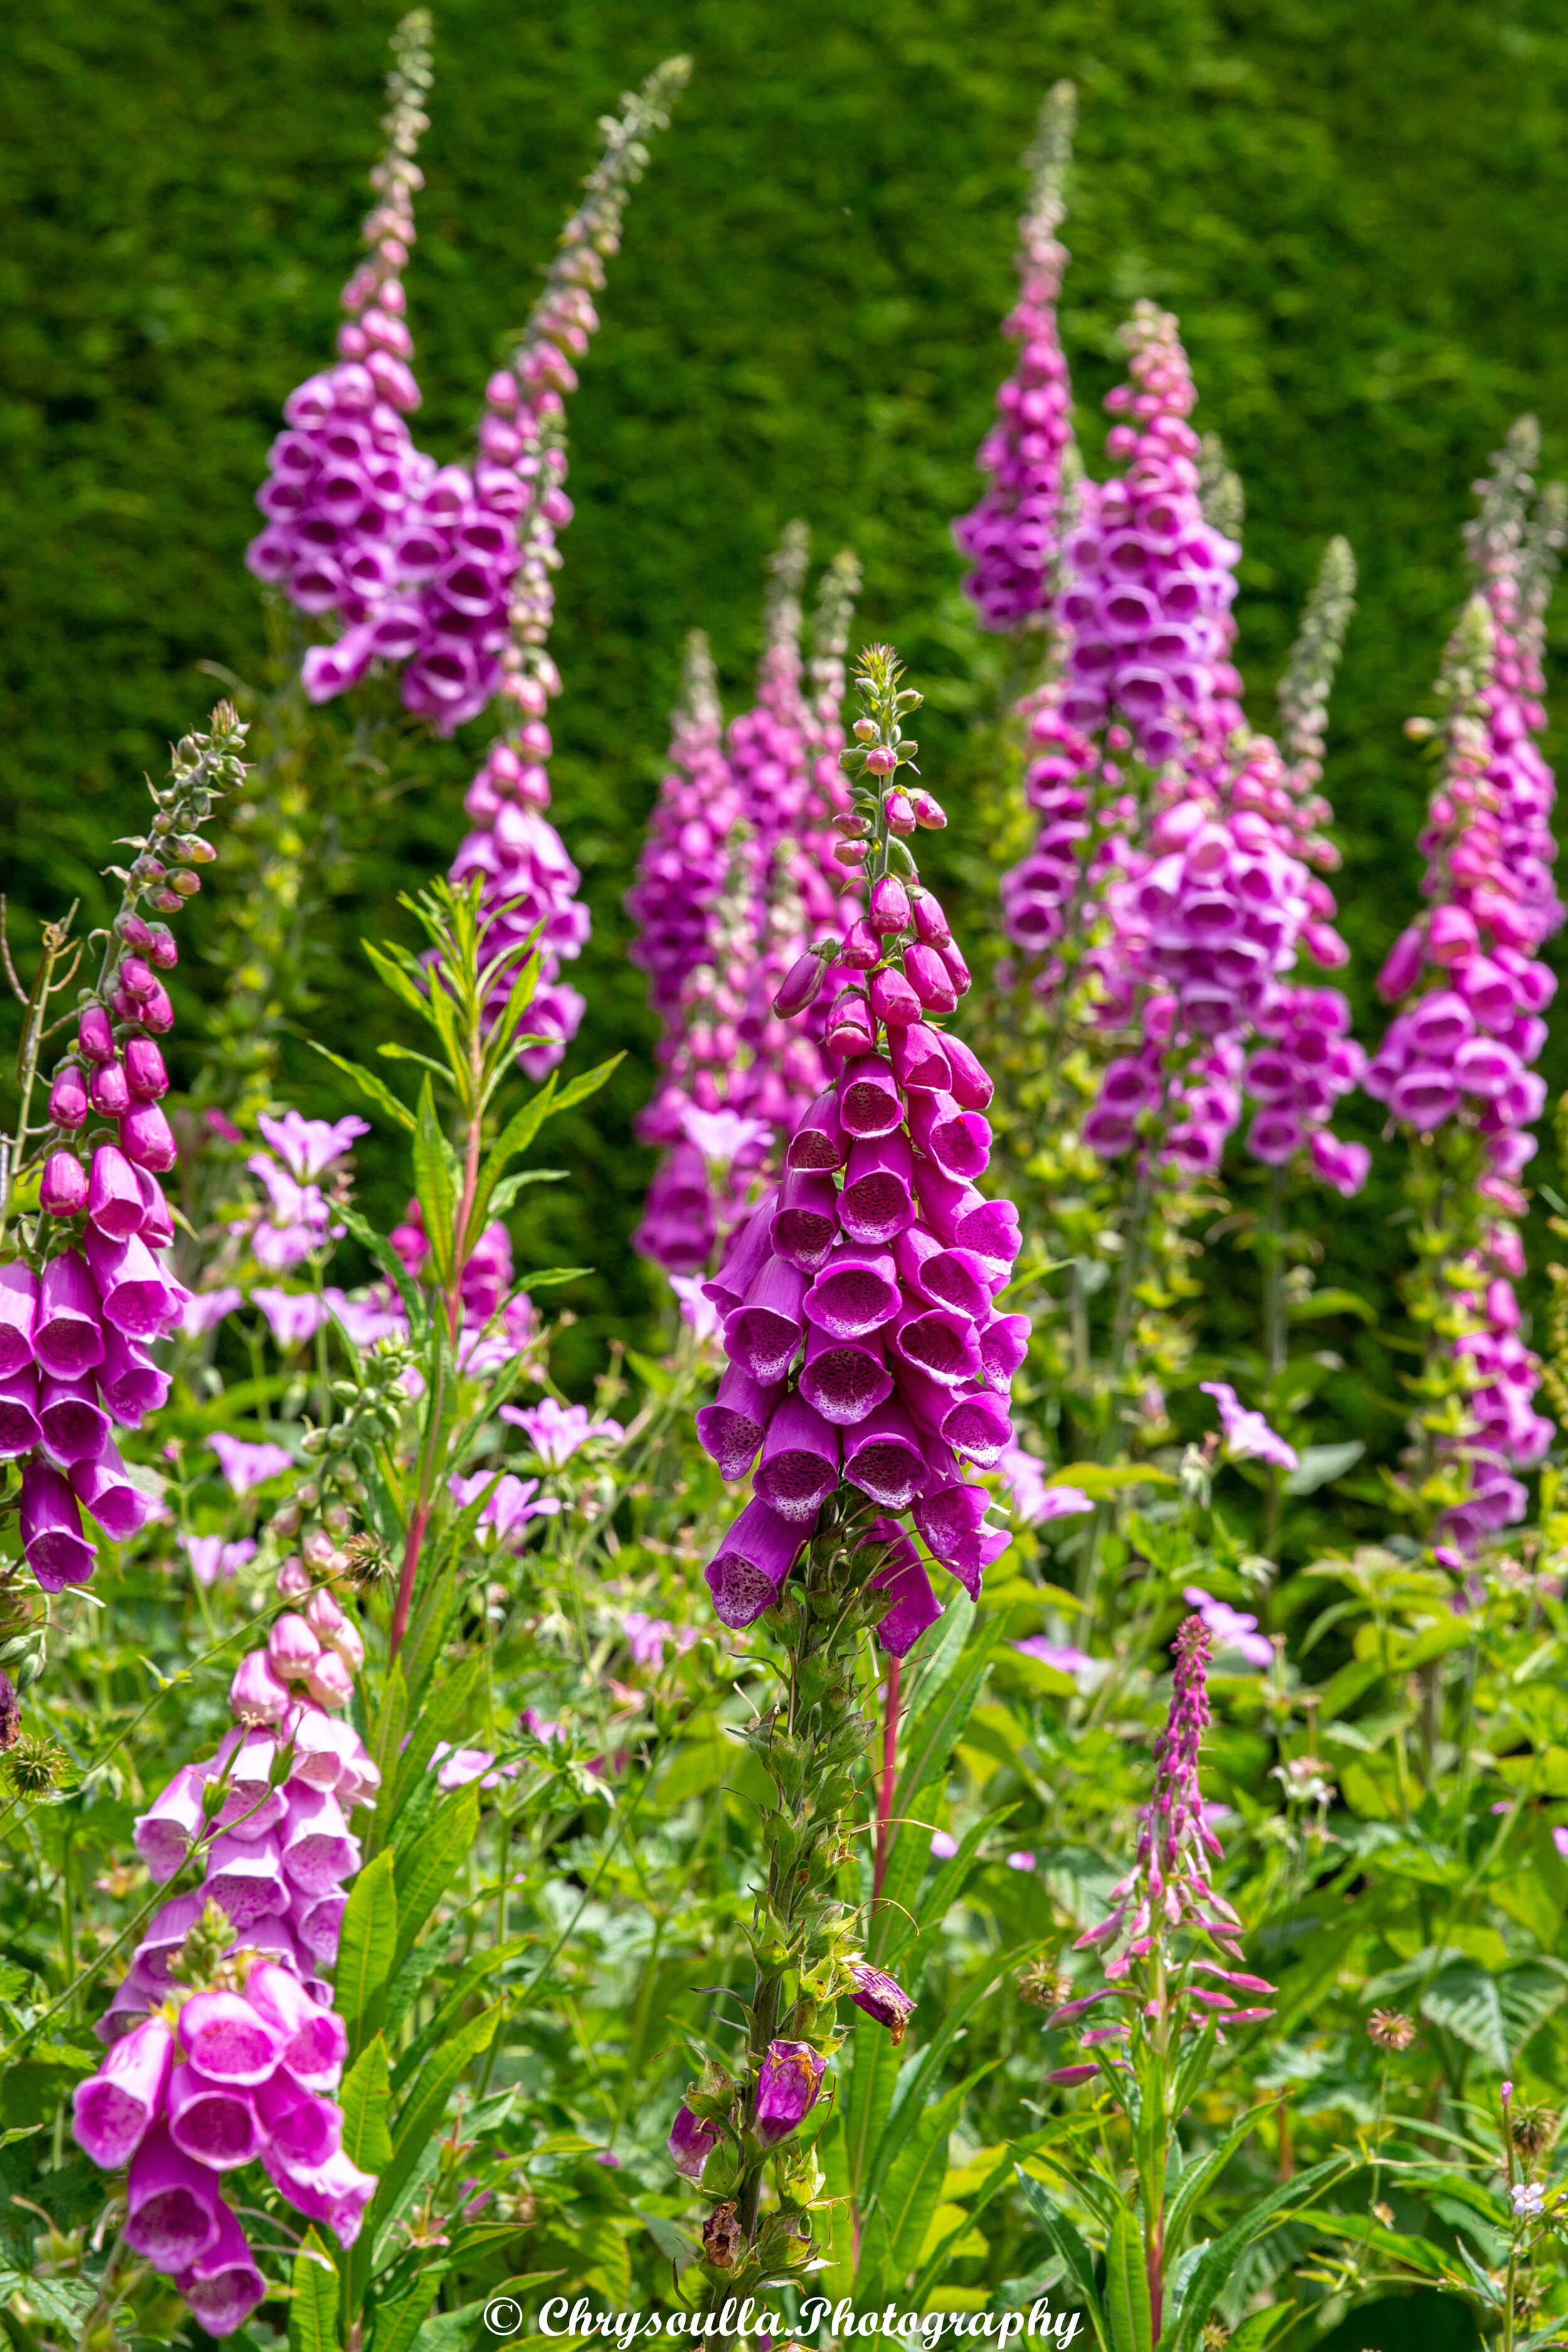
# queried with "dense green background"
point(1359, 212)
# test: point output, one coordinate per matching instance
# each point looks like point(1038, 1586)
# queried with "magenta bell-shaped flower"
point(747, 1571)
point(95, 1034)
point(145, 1072)
point(116, 2107)
point(226, 2039)
point(19, 1426)
point(172, 2203)
point(58, 1552)
point(67, 1332)
point(335, 2193)
point(146, 1137)
point(915, 1605)
point(690, 2144)
point(212, 2123)
point(787, 2088)
point(19, 1312)
point(108, 1091)
point(223, 2285)
point(114, 1202)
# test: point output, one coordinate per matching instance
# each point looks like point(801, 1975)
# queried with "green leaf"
point(507, 1190)
point(1066, 2242)
point(397, 2324)
point(374, 1090)
point(366, 2102)
point(1097, 1479)
point(515, 1136)
point(427, 1869)
point(579, 1090)
point(909, 2195)
point(313, 2308)
point(484, 1964)
point(1197, 2176)
point(1330, 1302)
point(390, 965)
point(652, 1376)
point(432, 1183)
point(1417, 2253)
point(425, 2106)
point(438, 1718)
point(1464, 1999)
point(1268, 2214)
point(918, 2077)
point(1258, 2325)
point(392, 1266)
point(1321, 1463)
point(1530, 1993)
point(1127, 2308)
point(551, 1277)
point(366, 1950)
point(929, 1910)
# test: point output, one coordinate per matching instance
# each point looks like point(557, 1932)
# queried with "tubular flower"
point(1013, 535)
point(1454, 1068)
point(865, 1347)
point(90, 1290)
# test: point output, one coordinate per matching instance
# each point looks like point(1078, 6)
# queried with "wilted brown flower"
point(10, 1712)
point(1391, 2028)
point(723, 2240)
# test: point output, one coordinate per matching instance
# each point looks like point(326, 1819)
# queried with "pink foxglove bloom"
point(788, 2089)
point(1015, 533)
point(247, 1466)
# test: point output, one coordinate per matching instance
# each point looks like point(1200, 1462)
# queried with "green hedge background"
point(1360, 213)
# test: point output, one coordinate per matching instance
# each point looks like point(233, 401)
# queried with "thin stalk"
point(889, 1775)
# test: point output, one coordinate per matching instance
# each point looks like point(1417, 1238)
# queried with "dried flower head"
point(37, 1764)
point(367, 1561)
point(1391, 2028)
point(723, 2240)
point(1533, 2128)
point(1216, 2336)
point(10, 1713)
point(1043, 1985)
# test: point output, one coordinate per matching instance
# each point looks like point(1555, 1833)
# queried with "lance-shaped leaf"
point(433, 1181)
point(374, 1090)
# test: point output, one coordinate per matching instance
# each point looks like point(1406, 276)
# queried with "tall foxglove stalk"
point(868, 1366)
point(741, 875)
point(1453, 1068)
point(85, 1287)
point(1015, 533)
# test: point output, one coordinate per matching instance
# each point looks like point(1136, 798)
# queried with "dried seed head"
point(37, 1765)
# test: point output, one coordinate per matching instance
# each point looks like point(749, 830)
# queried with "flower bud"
point(928, 812)
point(292, 1648)
point(329, 1682)
point(64, 1186)
point(900, 816)
point(94, 1034)
point(156, 1011)
point(258, 1693)
point(67, 1097)
point(889, 906)
point(145, 1072)
point(293, 1578)
point(882, 761)
point(162, 950)
point(800, 986)
point(135, 977)
point(108, 1093)
point(146, 1137)
point(862, 948)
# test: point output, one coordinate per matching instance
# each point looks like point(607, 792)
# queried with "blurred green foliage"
point(1359, 214)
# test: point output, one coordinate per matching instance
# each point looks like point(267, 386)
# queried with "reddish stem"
point(889, 1765)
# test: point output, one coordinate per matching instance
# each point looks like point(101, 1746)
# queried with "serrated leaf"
point(366, 1949)
point(425, 2106)
point(507, 1190)
point(374, 1090)
point(578, 1089)
point(438, 1718)
point(1463, 1998)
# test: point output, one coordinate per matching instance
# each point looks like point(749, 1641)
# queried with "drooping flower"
point(881, 1998)
point(788, 2089)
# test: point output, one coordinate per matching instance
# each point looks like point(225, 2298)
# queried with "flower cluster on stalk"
point(85, 1288)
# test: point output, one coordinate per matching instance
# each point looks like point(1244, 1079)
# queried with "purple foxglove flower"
point(133, 1997)
point(165, 1834)
point(940, 1342)
point(145, 1072)
point(172, 2204)
point(212, 2123)
point(787, 2088)
point(108, 1091)
point(316, 1850)
point(223, 2286)
point(799, 1468)
point(18, 1311)
point(868, 1101)
point(972, 1421)
point(958, 1141)
point(330, 1680)
point(244, 1875)
point(258, 1693)
point(130, 1383)
point(878, 1199)
point(892, 1000)
point(733, 1427)
point(1004, 1344)
point(229, 2041)
point(883, 1457)
point(67, 1334)
point(68, 1098)
point(951, 1519)
point(959, 1279)
point(929, 980)
point(817, 1147)
point(747, 1573)
point(961, 1218)
point(303, 2127)
point(114, 1202)
point(104, 1487)
point(315, 2040)
point(114, 2110)
point(157, 1223)
point(138, 1300)
point(915, 1605)
point(19, 1429)
point(166, 1932)
point(95, 1034)
point(856, 1293)
point(880, 1997)
point(973, 1086)
point(63, 1187)
point(843, 1379)
point(317, 1922)
point(800, 987)
point(690, 2144)
point(58, 1552)
point(335, 2193)
point(889, 906)
point(920, 1058)
point(806, 1222)
point(766, 1332)
point(292, 1647)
